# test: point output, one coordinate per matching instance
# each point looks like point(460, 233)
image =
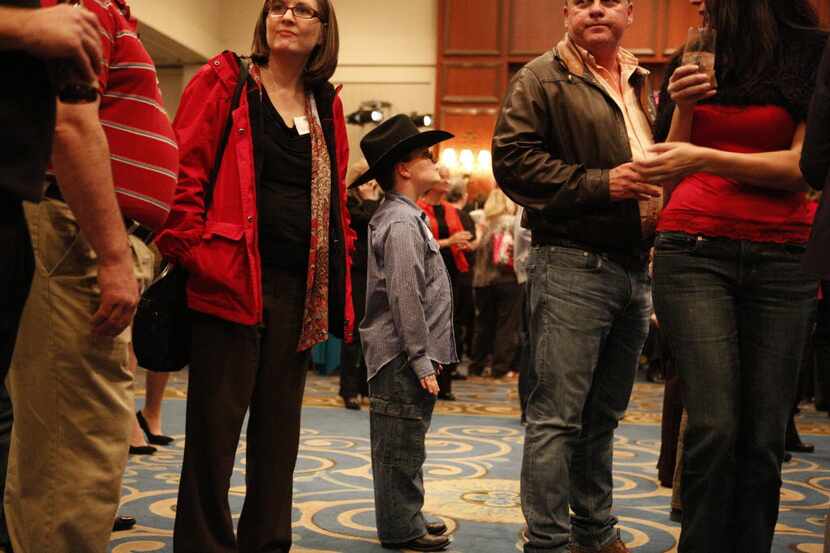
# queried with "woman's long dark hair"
point(753, 35)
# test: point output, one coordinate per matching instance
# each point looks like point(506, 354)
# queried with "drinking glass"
point(700, 50)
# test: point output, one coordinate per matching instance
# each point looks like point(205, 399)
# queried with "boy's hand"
point(430, 384)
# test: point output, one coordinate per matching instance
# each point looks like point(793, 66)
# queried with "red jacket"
point(220, 249)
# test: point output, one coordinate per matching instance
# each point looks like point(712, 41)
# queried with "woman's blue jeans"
point(736, 315)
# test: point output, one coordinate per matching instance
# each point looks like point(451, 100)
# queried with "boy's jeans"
point(401, 412)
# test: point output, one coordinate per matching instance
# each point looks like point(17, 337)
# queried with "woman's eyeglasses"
point(300, 11)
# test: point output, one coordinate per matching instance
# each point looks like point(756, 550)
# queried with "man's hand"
point(64, 32)
point(624, 183)
point(119, 296)
point(688, 85)
point(430, 384)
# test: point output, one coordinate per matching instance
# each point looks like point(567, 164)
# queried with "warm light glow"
point(449, 158)
point(485, 161)
point(467, 160)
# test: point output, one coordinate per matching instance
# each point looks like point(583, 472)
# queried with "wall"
point(388, 51)
point(194, 23)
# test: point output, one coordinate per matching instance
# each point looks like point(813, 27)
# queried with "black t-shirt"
point(444, 232)
point(360, 213)
point(27, 119)
point(284, 195)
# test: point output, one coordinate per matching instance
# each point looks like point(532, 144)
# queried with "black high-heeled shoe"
point(155, 439)
point(142, 450)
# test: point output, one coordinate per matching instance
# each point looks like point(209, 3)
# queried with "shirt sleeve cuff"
point(423, 367)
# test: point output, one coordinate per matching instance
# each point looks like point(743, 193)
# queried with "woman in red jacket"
point(268, 265)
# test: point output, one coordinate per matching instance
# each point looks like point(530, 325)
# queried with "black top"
point(27, 121)
point(284, 195)
point(360, 212)
point(444, 232)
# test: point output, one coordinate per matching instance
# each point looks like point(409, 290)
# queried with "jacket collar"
point(575, 59)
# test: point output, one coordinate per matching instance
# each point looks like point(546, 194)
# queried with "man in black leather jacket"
point(571, 124)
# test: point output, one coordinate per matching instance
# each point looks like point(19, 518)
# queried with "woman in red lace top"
point(729, 290)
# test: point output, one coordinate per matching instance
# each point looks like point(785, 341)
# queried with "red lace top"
point(711, 205)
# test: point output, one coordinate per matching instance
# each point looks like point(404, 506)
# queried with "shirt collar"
point(393, 196)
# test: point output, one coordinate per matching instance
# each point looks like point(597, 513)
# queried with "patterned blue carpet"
point(474, 455)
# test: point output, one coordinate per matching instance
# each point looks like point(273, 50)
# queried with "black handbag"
point(161, 327)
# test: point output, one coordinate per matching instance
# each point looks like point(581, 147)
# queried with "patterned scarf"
point(316, 315)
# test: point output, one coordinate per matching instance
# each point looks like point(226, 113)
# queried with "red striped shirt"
point(144, 153)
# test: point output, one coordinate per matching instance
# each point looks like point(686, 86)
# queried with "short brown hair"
point(323, 60)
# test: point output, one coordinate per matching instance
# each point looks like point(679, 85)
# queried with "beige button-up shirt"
point(636, 122)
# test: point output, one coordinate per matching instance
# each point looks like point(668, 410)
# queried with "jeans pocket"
point(668, 243)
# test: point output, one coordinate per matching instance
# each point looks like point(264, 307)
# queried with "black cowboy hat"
point(390, 141)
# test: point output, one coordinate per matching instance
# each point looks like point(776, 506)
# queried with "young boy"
point(407, 333)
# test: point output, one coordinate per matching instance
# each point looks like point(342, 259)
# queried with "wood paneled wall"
point(481, 43)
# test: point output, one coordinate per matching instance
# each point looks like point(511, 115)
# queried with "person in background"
point(114, 168)
point(362, 203)
point(815, 166)
point(454, 240)
point(730, 293)
point(464, 310)
point(407, 333)
point(29, 37)
point(497, 292)
point(268, 264)
point(146, 432)
point(522, 240)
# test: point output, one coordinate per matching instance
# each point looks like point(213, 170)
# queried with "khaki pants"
point(72, 396)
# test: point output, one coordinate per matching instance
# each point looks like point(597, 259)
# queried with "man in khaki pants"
point(69, 378)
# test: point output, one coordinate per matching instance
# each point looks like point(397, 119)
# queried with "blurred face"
point(598, 24)
point(422, 170)
point(701, 6)
point(444, 184)
point(294, 27)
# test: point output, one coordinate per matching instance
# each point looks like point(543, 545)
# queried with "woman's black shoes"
point(142, 450)
point(352, 403)
point(155, 439)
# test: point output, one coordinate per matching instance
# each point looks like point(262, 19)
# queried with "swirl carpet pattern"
point(472, 477)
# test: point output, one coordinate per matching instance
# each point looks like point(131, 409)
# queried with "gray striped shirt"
point(408, 294)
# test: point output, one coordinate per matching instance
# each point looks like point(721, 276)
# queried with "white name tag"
point(301, 124)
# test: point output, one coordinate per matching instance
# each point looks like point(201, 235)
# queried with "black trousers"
point(235, 368)
point(16, 268)
point(352, 365)
point(497, 327)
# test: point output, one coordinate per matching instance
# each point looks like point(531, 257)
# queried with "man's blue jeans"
point(736, 315)
point(588, 323)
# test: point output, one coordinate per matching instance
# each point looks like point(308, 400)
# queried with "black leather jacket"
point(558, 136)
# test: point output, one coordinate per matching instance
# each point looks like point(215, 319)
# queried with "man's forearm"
point(12, 21)
point(82, 164)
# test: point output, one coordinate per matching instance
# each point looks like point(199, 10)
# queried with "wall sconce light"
point(371, 111)
point(364, 116)
point(423, 120)
point(485, 161)
point(467, 161)
point(449, 158)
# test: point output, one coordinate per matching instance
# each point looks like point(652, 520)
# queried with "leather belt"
point(134, 228)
